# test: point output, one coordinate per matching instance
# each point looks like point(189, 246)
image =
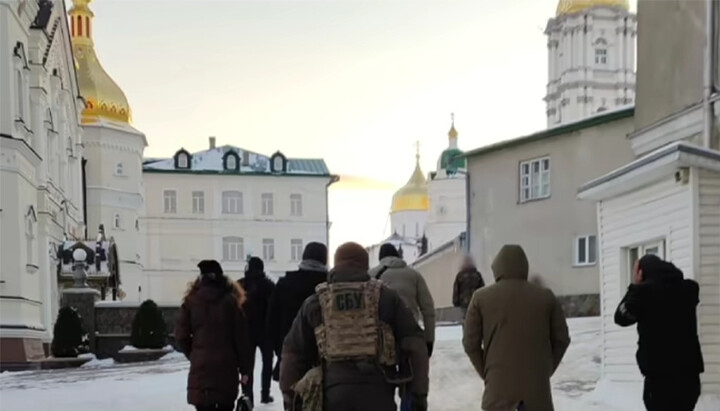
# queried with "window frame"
point(198, 202)
point(225, 202)
point(601, 56)
point(119, 170)
point(640, 250)
point(234, 247)
point(296, 205)
point(532, 180)
point(117, 221)
point(267, 204)
point(170, 198)
point(268, 249)
point(296, 249)
point(586, 249)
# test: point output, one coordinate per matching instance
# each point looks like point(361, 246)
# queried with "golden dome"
point(104, 100)
point(413, 196)
point(574, 6)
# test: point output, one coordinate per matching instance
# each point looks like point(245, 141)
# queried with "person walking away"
point(259, 288)
point(290, 293)
point(515, 335)
point(343, 348)
point(467, 281)
point(394, 272)
point(212, 333)
point(663, 305)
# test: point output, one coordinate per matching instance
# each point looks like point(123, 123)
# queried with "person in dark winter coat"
point(212, 333)
point(357, 383)
point(663, 305)
point(467, 281)
point(259, 288)
point(292, 290)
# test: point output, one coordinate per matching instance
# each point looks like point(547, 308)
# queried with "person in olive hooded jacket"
point(515, 335)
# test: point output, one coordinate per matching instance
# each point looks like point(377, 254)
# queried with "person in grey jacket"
point(410, 284)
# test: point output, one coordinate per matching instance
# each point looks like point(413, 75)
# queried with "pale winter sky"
point(355, 82)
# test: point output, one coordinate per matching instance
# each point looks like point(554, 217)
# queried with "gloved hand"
point(430, 346)
point(419, 402)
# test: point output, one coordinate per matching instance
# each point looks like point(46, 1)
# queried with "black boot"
point(267, 399)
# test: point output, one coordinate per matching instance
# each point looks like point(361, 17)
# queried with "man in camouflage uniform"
point(349, 336)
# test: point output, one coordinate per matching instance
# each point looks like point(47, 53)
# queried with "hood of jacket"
point(510, 263)
point(349, 274)
point(312, 265)
point(254, 275)
point(393, 262)
point(656, 270)
point(209, 292)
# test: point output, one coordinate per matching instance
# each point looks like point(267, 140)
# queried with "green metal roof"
point(599, 119)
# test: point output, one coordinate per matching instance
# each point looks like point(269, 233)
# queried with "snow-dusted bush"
point(69, 336)
point(148, 327)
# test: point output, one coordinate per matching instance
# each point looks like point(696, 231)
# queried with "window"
point(585, 250)
point(233, 249)
point(267, 204)
point(119, 169)
point(198, 201)
point(116, 222)
point(417, 230)
point(296, 208)
point(182, 161)
point(296, 249)
point(635, 253)
point(30, 240)
point(268, 249)
point(232, 202)
point(278, 164)
point(231, 162)
point(170, 201)
point(534, 179)
point(20, 97)
point(601, 56)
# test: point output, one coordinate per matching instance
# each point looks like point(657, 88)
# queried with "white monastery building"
point(71, 162)
point(591, 59)
point(227, 203)
point(41, 154)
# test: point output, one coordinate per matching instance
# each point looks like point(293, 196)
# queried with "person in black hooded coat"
point(292, 290)
point(663, 305)
point(258, 288)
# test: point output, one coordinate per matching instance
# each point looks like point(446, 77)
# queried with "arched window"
point(117, 222)
point(20, 94)
point(231, 161)
point(182, 159)
point(79, 26)
point(119, 169)
point(278, 163)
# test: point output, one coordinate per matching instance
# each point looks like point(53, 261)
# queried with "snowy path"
point(161, 385)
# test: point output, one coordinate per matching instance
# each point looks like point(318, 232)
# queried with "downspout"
point(708, 75)
point(333, 180)
point(84, 197)
point(468, 202)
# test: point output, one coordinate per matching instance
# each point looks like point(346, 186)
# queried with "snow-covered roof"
point(211, 160)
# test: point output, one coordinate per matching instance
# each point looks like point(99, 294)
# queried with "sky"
point(355, 82)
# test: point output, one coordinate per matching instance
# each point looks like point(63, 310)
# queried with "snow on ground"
point(100, 385)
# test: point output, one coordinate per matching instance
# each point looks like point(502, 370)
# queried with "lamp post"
point(79, 274)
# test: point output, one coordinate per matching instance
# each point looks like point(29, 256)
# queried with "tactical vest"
point(351, 328)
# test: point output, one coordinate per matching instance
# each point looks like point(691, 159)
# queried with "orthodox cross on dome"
point(417, 150)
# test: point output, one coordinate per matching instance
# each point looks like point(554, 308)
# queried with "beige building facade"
point(524, 191)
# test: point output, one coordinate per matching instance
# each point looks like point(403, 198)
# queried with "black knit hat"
point(316, 252)
point(388, 250)
point(256, 265)
point(210, 267)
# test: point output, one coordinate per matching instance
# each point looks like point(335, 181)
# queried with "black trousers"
point(676, 393)
point(216, 407)
point(267, 369)
point(360, 397)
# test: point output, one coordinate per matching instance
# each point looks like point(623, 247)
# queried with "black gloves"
point(430, 346)
point(418, 402)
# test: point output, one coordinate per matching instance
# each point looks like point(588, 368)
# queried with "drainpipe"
point(333, 180)
point(708, 75)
